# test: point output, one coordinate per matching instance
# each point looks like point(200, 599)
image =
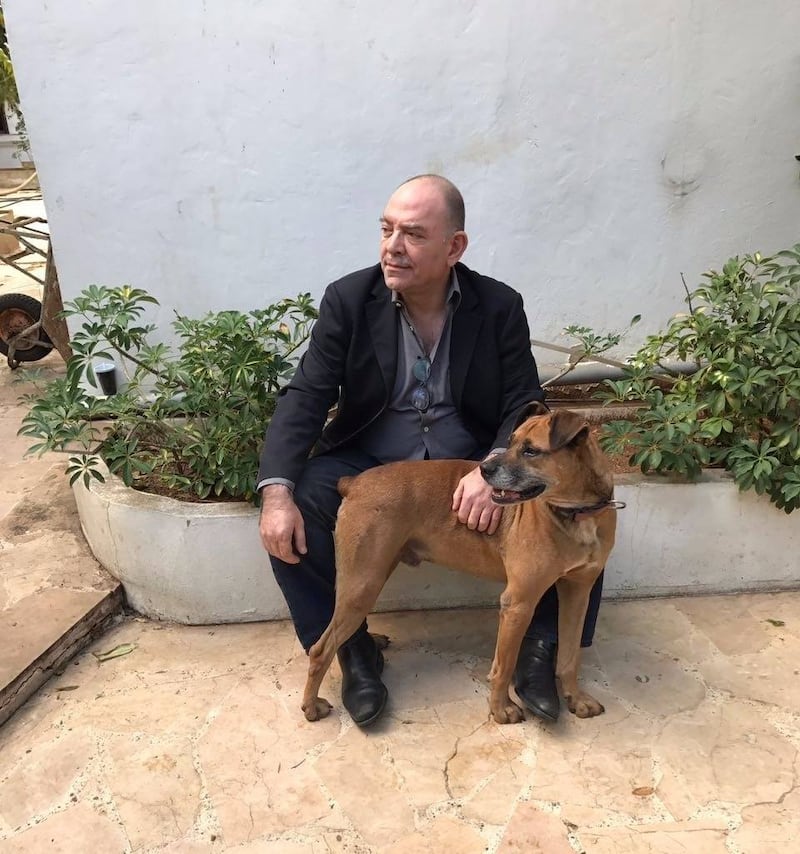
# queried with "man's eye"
point(386, 231)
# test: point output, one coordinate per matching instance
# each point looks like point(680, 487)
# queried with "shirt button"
point(425, 429)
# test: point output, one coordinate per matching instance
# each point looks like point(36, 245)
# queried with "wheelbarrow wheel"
point(18, 312)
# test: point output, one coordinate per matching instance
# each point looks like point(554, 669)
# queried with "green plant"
point(190, 422)
point(9, 95)
point(740, 408)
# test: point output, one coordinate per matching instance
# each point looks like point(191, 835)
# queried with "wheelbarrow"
point(30, 329)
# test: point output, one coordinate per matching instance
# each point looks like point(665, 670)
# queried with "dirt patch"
point(579, 394)
point(52, 508)
point(155, 486)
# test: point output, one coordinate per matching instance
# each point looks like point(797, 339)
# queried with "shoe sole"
point(539, 713)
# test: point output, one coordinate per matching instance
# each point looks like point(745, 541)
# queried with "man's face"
point(418, 244)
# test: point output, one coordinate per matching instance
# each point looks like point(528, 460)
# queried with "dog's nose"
point(489, 467)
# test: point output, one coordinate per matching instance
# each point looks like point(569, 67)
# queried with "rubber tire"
point(33, 308)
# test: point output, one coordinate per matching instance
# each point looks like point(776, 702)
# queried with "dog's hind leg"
point(320, 657)
point(364, 561)
point(573, 599)
point(347, 618)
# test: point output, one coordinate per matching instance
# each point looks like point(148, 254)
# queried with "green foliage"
point(741, 408)
point(9, 95)
point(191, 421)
point(593, 344)
point(8, 83)
point(590, 346)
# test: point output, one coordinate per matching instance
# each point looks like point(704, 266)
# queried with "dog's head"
point(551, 451)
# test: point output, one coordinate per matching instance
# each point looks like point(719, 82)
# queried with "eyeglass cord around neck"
point(424, 353)
point(420, 397)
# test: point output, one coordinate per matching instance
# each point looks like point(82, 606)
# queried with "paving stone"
point(155, 787)
point(75, 830)
point(257, 763)
point(442, 834)
point(727, 752)
point(361, 778)
point(44, 779)
point(533, 831)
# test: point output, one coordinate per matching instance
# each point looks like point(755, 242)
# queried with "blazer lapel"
point(467, 322)
point(382, 322)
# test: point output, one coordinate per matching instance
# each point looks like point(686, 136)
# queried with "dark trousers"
point(308, 587)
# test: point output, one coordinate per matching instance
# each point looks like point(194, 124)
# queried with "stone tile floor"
point(194, 742)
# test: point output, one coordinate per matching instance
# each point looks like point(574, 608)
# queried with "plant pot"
point(204, 563)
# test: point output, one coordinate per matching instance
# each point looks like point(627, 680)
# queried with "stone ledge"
point(203, 563)
point(49, 628)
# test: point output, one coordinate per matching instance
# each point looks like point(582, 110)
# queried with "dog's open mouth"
point(509, 496)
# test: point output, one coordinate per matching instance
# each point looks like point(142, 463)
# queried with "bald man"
point(426, 359)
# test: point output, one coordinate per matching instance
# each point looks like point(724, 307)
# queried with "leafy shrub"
point(741, 407)
point(190, 422)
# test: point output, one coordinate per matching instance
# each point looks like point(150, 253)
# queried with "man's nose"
point(394, 242)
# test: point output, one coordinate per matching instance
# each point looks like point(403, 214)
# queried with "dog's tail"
point(344, 485)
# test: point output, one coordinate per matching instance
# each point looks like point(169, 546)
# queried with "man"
point(426, 360)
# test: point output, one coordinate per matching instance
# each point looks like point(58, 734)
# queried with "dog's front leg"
point(516, 611)
point(573, 600)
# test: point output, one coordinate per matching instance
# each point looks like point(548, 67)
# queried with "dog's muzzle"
point(503, 479)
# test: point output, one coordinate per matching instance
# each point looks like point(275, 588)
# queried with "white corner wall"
point(228, 154)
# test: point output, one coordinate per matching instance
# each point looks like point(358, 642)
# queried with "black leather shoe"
point(363, 694)
point(535, 678)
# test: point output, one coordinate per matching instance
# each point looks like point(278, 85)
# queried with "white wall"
point(227, 154)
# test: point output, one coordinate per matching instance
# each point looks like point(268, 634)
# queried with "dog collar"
point(575, 514)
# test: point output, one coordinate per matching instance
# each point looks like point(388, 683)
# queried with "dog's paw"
point(317, 710)
point(508, 713)
point(584, 706)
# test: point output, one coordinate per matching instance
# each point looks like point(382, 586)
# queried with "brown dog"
point(559, 531)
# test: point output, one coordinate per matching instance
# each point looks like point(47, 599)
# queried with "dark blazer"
point(352, 359)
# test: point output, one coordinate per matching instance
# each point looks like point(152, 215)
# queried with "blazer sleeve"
point(303, 404)
point(520, 376)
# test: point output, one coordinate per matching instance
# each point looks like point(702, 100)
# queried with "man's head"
point(422, 235)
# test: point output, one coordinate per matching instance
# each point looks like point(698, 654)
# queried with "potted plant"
point(163, 470)
point(740, 408)
point(713, 423)
point(188, 424)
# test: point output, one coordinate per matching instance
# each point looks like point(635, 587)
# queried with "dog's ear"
point(567, 427)
point(536, 407)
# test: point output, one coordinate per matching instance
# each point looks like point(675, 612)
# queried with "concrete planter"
point(203, 563)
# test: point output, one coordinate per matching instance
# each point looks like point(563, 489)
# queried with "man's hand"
point(472, 500)
point(283, 533)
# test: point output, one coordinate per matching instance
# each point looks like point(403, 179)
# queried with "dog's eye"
point(531, 452)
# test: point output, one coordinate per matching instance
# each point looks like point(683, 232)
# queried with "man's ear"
point(530, 410)
point(458, 246)
point(566, 427)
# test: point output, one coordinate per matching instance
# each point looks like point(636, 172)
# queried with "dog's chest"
point(587, 535)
